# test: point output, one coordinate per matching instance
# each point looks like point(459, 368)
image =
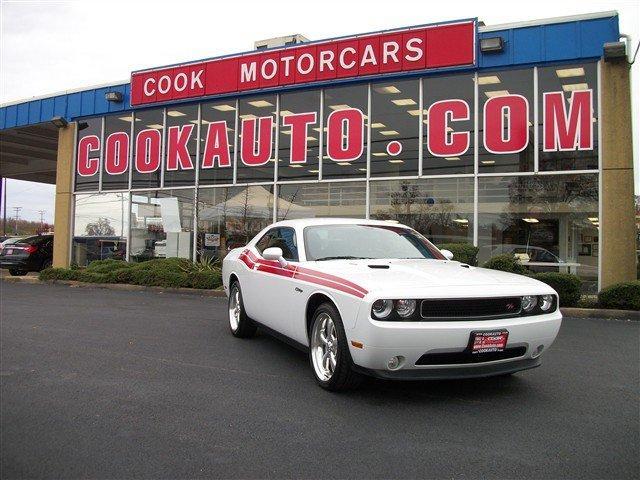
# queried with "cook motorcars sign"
point(421, 48)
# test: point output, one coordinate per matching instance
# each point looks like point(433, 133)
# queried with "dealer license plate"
point(10, 251)
point(490, 341)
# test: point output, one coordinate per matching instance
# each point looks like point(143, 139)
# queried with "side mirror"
point(275, 253)
point(447, 254)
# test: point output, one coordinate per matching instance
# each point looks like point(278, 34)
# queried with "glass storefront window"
point(549, 222)
point(101, 222)
point(437, 89)
point(161, 224)
point(441, 209)
point(88, 152)
point(117, 129)
point(395, 127)
point(181, 143)
point(228, 217)
point(147, 148)
point(568, 79)
point(500, 84)
point(256, 159)
point(298, 103)
point(343, 98)
point(214, 167)
point(335, 199)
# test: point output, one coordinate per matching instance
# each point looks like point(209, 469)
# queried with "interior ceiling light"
point(260, 104)
point(295, 165)
point(389, 132)
point(285, 113)
point(461, 220)
point(452, 159)
point(342, 106)
point(488, 80)
point(248, 116)
point(379, 154)
point(496, 93)
point(313, 171)
point(397, 160)
point(387, 89)
point(572, 87)
point(488, 162)
point(175, 113)
point(531, 220)
point(378, 125)
point(344, 164)
point(224, 108)
point(155, 125)
point(570, 72)
point(125, 119)
point(404, 101)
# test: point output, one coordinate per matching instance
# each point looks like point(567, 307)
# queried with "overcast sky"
point(49, 46)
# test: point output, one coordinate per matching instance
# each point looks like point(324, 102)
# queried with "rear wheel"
point(329, 353)
point(46, 264)
point(241, 326)
point(17, 273)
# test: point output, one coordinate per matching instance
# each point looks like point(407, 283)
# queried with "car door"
point(274, 286)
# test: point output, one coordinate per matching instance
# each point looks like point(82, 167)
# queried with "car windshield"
point(337, 242)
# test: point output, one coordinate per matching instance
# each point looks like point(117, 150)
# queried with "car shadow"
point(471, 391)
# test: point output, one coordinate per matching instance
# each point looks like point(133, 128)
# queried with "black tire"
point(245, 328)
point(46, 264)
point(344, 377)
point(14, 272)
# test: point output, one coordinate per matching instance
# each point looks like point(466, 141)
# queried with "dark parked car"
point(30, 254)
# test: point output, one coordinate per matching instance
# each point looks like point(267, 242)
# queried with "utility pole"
point(41, 212)
point(4, 206)
point(17, 209)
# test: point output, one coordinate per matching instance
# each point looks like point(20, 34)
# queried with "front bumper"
point(413, 340)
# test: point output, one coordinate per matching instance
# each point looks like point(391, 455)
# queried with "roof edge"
point(65, 92)
point(548, 21)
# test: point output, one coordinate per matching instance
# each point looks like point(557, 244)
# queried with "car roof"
point(307, 222)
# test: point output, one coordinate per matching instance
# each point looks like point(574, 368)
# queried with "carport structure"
point(37, 139)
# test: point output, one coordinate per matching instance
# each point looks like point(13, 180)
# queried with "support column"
point(63, 221)
point(617, 218)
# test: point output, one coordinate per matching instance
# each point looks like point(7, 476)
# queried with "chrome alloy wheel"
point(235, 308)
point(324, 347)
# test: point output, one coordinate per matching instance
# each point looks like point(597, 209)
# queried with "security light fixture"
point(59, 122)
point(491, 45)
point(115, 97)
point(615, 51)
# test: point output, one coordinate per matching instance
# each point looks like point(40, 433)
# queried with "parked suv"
point(30, 254)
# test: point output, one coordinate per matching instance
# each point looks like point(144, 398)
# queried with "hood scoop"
point(383, 267)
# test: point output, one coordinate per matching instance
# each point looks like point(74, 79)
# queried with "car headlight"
point(405, 308)
point(529, 303)
point(546, 302)
point(382, 308)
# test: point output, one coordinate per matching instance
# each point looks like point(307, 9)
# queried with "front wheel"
point(14, 272)
point(329, 353)
point(241, 326)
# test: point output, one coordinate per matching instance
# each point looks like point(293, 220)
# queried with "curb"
point(600, 313)
point(118, 286)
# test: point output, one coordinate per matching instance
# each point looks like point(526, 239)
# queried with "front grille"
point(457, 358)
point(470, 308)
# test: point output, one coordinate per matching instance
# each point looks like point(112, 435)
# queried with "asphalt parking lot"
point(113, 384)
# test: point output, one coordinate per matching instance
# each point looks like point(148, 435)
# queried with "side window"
point(266, 239)
point(283, 238)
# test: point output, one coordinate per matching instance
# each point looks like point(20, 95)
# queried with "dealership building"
point(515, 138)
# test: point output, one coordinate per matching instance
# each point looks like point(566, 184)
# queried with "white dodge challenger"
point(377, 298)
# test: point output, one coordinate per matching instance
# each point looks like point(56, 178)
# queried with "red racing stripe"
point(300, 273)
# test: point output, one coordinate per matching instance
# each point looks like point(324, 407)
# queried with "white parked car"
point(377, 298)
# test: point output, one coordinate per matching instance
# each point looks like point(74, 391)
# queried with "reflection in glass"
point(339, 199)
point(100, 230)
point(161, 224)
point(228, 217)
point(90, 126)
point(568, 79)
point(549, 222)
point(395, 115)
point(496, 84)
point(441, 209)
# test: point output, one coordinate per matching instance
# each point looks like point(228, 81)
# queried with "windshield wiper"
point(340, 257)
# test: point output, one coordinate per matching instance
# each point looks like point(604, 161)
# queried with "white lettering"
point(274, 69)
point(180, 82)
point(368, 56)
point(309, 57)
point(248, 72)
point(287, 64)
point(196, 80)
point(147, 92)
point(390, 49)
point(164, 84)
point(416, 50)
point(342, 54)
point(326, 58)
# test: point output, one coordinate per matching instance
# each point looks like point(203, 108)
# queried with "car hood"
point(382, 274)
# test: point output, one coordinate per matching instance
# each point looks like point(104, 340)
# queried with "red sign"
point(423, 48)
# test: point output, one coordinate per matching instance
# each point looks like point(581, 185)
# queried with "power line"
point(17, 209)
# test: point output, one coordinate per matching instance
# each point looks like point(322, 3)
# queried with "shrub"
point(210, 280)
point(462, 252)
point(623, 296)
point(505, 263)
point(567, 285)
point(55, 274)
point(106, 266)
